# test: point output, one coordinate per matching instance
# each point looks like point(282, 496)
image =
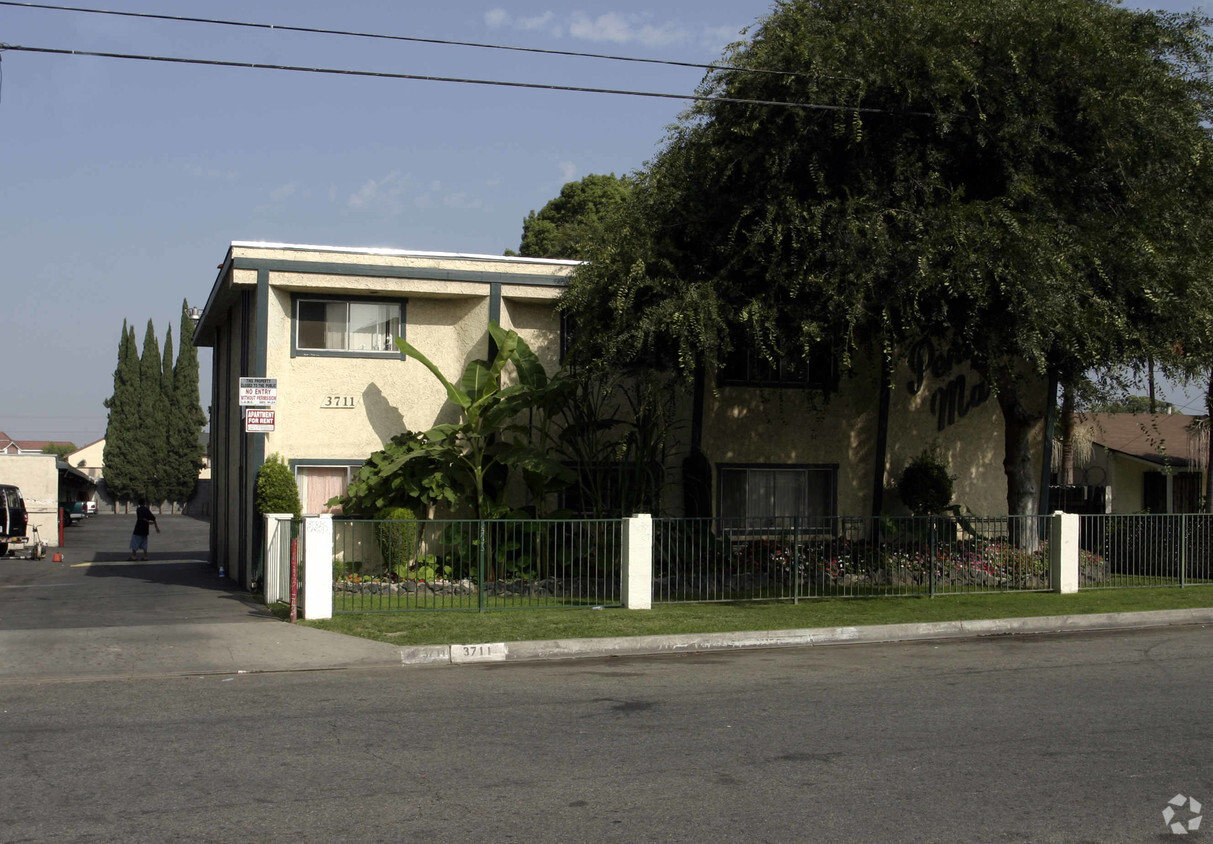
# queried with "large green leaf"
point(507, 344)
point(477, 379)
point(531, 373)
point(533, 460)
point(456, 395)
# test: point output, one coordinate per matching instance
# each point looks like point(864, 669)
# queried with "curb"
point(459, 654)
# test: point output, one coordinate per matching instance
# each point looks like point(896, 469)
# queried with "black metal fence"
point(394, 566)
point(1146, 549)
point(793, 559)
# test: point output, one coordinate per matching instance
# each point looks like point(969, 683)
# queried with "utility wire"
point(410, 38)
point(423, 78)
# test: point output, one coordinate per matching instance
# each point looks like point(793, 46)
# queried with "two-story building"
point(767, 441)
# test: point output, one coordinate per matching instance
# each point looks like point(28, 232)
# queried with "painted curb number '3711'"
point(337, 401)
point(491, 652)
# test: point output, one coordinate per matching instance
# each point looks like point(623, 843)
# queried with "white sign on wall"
point(258, 392)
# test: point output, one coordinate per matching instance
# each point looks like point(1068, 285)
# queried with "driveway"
point(96, 615)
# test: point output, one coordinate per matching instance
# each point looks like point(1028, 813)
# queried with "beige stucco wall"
point(38, 479)
point(778, 426)
point(332, 407)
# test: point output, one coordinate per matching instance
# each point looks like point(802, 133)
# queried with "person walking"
point(145, 520)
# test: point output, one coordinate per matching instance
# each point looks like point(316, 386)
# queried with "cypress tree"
point(168, 479)
point(186, 418)
point(151, 447)
point(119, 452)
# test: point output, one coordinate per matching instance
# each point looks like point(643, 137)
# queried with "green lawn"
point(437, 627)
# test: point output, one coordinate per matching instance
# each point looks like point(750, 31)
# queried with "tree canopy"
point(1031, 178)
point(568, 223)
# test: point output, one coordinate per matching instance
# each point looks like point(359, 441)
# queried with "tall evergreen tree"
point(168, 481)
point(186, 419)
point(151, 447)
point(120, 429)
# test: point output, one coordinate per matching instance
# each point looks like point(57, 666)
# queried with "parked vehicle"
point(90, 508)
point(13, 518)
point(73, 511)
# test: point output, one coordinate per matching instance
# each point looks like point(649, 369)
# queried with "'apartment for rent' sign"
point(258, 421)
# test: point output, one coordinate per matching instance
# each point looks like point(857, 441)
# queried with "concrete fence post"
point(1063, 552)
point(637, 587)
point(317, 577)
point(273, 556)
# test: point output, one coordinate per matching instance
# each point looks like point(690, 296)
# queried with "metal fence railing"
point(791, 559)
point(1145, 549)
point(393, 566)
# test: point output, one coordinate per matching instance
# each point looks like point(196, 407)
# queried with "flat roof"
point(402, 253)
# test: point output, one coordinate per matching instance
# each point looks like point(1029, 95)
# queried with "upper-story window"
point(358, 327)
point(745, 367)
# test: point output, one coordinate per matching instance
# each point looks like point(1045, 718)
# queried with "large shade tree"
point(1031, 178)
point(569, 222)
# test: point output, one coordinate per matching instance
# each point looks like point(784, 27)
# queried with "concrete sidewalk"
point(706, 642)
point(98, 616)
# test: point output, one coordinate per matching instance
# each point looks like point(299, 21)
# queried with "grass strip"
point(440, 628)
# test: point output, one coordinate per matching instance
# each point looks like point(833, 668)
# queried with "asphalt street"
point(1081, 737)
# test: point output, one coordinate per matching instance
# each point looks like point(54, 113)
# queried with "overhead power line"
point(410, 38)
point(425, 78)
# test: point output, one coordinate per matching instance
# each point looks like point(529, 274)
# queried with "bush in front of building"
point(396, 536)
point(925, 485)
point(276, 489)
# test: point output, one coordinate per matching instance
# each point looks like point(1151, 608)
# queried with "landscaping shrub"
point(925, 485)
point(276, 489)
point(396, 536)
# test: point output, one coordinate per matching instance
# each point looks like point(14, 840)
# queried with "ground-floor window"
point(769, 494)
point(318, 484)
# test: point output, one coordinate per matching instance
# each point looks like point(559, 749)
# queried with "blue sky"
point(124, 182)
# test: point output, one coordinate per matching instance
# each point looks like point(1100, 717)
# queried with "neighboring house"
point(88, 459)
point(8, 445)
point(761, 441)
point(1141, 462)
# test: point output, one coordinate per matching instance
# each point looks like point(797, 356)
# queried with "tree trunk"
point(1067, 436)
point(1018, 465)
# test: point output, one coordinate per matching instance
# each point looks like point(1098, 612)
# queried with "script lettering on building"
point(956, 397)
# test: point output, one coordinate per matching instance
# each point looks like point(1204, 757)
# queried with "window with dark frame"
point(771, 496)
point(746, 367)
point(347, 325)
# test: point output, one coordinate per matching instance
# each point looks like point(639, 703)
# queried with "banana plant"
point(491, 439)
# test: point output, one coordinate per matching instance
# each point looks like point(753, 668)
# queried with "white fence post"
point(273, 556)
point(637, 587)
point(1063, 552)
point(317, 579)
